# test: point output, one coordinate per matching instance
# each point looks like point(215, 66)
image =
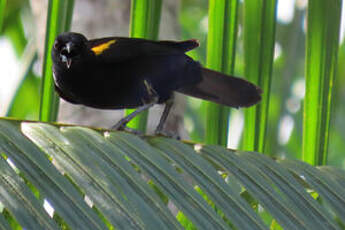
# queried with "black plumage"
point(118, 72)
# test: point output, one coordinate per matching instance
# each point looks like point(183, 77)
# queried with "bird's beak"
point(69, 63)
point(67, 60)
point(68, 47)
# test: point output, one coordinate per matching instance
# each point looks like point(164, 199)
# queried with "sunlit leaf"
point(259, 38)
point(58, 20)
point(321, 59)
point(221, 43)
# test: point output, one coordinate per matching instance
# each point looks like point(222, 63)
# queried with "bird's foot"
point(167, 134)
point(133, 131)
point(119, 125)
point(122, 126)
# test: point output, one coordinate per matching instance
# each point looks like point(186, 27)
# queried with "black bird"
point(119, 72)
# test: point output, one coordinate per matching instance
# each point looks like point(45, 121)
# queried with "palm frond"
point(100, 179)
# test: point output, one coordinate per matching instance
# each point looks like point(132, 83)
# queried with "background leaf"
point(259, 38)
point(221, 43)
point(321, 61)
point(58, 20)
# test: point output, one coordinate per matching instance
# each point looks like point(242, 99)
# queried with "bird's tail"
point(225, 90)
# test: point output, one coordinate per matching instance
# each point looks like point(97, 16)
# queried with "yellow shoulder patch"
point(102, 47)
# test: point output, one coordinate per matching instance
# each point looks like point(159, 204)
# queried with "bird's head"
point(68, 47)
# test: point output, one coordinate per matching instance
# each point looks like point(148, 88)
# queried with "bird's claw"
point(167, 134)
point(120, 126)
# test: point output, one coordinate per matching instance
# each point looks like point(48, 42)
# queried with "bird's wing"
point(117, 49)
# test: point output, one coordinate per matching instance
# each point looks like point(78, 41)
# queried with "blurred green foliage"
point(25, 102)
point(321, 62)
point(59, 19)
point(221, 55)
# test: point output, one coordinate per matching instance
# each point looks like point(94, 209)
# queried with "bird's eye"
point(56, 45)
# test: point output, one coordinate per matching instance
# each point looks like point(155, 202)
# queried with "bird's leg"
point(120, 125)
point(159, 129)
point(168, 105)
point(152, 100)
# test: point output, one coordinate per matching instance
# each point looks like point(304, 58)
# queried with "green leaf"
point(3, 223)
point(259, 37)
point(321, 59)
point(330, 191)
point(15, 32)
point(69, 6)
point(114, 172)
point(258, 178)
point(58, 20)
point(224, 197)
point(221, 43)
point(164, 175)
point(21, 202)
point(121, 201)
point(32, 162)
point(145, 21)
point(308, 209)
point(25, 103)
point(2, 12)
